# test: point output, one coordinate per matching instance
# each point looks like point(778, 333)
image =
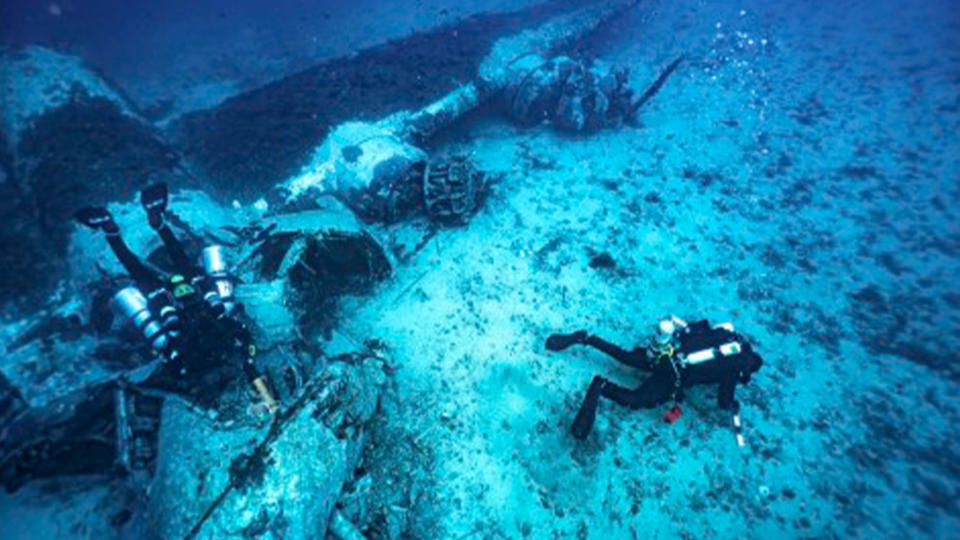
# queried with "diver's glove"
point(97, 218)
point(559, 342)
point(154, 201)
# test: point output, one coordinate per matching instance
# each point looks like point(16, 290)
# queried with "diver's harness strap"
point(666, 352)
point(676, 363)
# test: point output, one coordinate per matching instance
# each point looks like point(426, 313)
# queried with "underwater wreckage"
point(72, 384)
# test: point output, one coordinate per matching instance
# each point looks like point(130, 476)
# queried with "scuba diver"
point(189, 318)
point(679, 355)
point(188, 322)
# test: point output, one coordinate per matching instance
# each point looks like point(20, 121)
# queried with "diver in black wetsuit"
point(190, 317)
point(679, 356)
point(190, 323)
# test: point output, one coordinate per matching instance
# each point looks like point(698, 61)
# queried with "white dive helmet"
point(665, 330)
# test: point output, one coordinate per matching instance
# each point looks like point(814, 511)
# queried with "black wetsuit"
point(663, 386)
point(208, 353)
point(206, 348)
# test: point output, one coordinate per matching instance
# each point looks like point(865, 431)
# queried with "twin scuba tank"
point(668, 339)
point(161, 327)
point(220, 295)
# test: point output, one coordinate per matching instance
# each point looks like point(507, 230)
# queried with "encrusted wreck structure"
point(73, 382)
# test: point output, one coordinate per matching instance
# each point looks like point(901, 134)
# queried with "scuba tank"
point(131, 302)
point(703, 343)
point(214, 264)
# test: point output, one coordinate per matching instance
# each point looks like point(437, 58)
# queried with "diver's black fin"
point(154, 201)
point(97, 218)
point(583, 423)
point(559, 342)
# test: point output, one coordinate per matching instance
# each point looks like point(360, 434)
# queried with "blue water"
point(799, 175)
